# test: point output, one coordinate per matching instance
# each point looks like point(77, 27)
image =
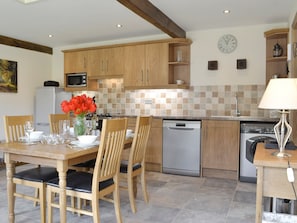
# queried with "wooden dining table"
point(272, 180)
point(60, 156)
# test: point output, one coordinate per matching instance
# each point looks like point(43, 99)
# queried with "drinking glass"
point(29, 128)
point(89, 127)
point(64, 128)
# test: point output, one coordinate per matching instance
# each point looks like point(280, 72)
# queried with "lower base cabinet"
point(220, 149)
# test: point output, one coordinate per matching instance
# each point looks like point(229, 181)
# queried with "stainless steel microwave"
point(76, 79)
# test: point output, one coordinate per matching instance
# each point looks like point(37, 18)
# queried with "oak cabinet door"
point(104, 62)
point(75, 62)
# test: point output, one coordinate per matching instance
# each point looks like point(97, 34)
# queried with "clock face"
point(227, 43)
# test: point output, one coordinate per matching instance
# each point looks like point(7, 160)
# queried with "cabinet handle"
point(147, 76)
point(107, 66)
point(142, 76)
point(102, 68)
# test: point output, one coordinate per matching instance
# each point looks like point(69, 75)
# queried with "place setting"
point(88, 139)
point(32, 137)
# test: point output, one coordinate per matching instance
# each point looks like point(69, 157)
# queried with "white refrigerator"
point(48, 101)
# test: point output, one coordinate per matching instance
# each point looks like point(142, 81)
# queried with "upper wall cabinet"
point(145, 65)
point(106, 62)
point(75, 62)
point(157, 64)
point(149, 64)
point(276, 53)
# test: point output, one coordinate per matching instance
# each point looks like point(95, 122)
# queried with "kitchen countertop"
point(213, 117)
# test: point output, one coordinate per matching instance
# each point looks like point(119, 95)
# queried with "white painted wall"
point(251, 45)
point(33, 69)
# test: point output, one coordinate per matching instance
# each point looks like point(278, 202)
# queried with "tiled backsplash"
point(196, 101)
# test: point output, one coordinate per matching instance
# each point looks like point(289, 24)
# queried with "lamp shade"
point(281, 93)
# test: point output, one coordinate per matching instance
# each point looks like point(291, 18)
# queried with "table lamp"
point(281, 94)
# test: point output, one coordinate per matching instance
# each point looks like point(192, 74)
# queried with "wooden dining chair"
point(33, 177)
point(54, 122)
point(135, 166)
point(104, 180)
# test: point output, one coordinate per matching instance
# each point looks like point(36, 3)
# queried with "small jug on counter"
point(277, 50)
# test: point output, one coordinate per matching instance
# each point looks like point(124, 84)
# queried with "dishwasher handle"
point(175, 128)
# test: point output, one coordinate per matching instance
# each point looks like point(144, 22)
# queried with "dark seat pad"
point(124, 167)
point(38, 174)
point(88, 164)
point(80, 181)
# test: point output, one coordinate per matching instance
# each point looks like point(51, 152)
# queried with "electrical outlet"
point(148, 101)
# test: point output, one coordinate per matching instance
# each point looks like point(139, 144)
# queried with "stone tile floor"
point(173, 199)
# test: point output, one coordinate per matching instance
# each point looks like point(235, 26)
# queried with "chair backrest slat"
point(139, 144)
point(15, 127)
point(108, 159)
point(54, 122)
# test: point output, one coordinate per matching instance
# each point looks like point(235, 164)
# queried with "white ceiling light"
point(28, 1)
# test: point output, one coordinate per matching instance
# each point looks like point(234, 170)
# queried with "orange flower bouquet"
point(80, 106)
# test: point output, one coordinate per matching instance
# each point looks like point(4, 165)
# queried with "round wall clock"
point(227, 43)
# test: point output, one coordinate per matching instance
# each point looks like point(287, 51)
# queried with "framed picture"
point(212, 65)
point(8, 76)
point(241, 64)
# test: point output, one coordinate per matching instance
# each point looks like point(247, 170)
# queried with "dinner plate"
point(130, 135)
point(82, 145)
point(24, 139)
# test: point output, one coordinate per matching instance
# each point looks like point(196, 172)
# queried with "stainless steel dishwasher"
point(181, 147)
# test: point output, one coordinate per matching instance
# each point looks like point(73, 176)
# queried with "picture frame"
point(213, 65)
point(8, 76)
point(241, 64)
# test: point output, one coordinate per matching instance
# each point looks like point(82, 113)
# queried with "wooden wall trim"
point(155, 16)
point(25, 45)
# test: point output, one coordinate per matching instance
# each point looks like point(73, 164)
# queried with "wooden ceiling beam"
point(25, 45)
point(152, 14)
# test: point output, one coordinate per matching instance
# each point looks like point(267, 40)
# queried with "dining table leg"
point(259, 194)
point(10, 170)
point(62, 168)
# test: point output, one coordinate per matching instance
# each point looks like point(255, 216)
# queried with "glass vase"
point(79, 124)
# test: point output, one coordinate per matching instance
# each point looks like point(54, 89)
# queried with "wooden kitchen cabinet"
point(220, 148)
point(146, 65)
point(276, 66)
point(154, 146)
point(179, 62)
point(106, 62)
point(143, 65)
point(75, 62)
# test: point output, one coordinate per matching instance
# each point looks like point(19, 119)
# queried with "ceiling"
point(82, 21)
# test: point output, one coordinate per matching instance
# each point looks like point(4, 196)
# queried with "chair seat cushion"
point(38, 174)
point(80, 181)
point(88, 164)
point(124, 167)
